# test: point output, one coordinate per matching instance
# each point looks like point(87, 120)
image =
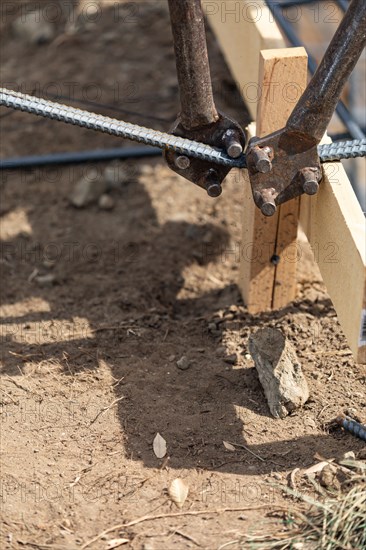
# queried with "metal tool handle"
point(199, 120)
point(316, 106)
point(198, 106)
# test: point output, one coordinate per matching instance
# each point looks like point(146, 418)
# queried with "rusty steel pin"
point(182, 162)
point(268, 208)
point(262, 159)
point(265, 200)
point(212, 183)
point(232, 143)
point(309, 178)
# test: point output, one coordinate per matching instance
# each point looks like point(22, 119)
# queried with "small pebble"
point(146, 170)
point(327, 477)
point(67, 523)
point(183, 363)
point(109, 36)
point(229, 316)
point(192, 231)
point(48, 263)
point(33, 28)
point(88, 189)
point(231, 359)
point(207, 237)
point(310, 422)
point(45, 280)
point(106, 202)
point(116, 176)
point(361, 455)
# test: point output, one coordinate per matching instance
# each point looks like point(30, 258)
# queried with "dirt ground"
point(89, 360)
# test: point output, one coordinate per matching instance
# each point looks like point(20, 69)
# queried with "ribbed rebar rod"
point(352, 426)
point(341, 150)
point(85, 119)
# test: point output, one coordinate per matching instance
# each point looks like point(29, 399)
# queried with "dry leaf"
point(316, 468)
point(229, 446)
point(178, 491)
point(293, 478)
point(114, 543)
point(159, 446)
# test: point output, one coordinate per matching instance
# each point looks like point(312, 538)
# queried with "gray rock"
point(349, 455)
point(33, 27)
point(183, 363)
point(208, 237)
point(231, 359)
point(45, 280)
point(49, 263)
point(88, 189)
point(146, 170)
point(192, 231)
point(229, 316)
point(279, 371)
point(106, 202)
point(116, 176)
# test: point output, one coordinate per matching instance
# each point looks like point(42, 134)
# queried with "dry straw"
point(336, 523)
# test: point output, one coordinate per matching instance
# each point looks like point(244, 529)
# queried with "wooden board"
point(335, 226)
point(244, 29)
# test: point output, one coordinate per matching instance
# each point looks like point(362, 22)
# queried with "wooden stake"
point(269, 245)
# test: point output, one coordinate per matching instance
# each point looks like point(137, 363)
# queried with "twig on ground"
point(247, 449)
point(186, 536)
point(81, 473)
point(16, 383)
point(115, 384)
point(226, 544)
point(105, 409)
point(175, 515)
point(10, 397)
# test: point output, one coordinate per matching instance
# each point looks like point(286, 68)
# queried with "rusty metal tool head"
point(199, 119)
point(285, 164)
